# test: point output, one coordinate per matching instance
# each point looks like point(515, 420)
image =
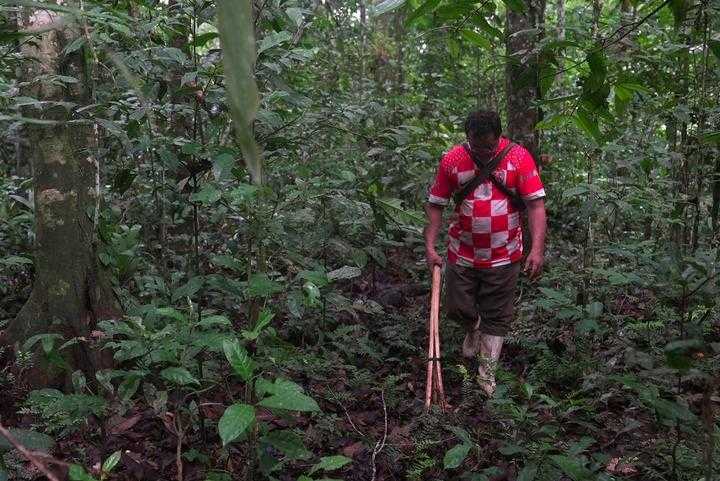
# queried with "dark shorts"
point(489, 293)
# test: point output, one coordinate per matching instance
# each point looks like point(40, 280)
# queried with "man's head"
point(483, 129)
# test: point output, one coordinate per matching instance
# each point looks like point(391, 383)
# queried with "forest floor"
point(552, 416)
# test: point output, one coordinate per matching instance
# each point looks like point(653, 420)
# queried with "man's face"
point(484, 146)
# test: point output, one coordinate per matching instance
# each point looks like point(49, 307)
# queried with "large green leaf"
point(237, 37)
point(329, 463)
point(273, 40)
point(475, 38)
point(426, 7)
point(239, 359)
point(528, 473)
point(588, 124)
point(260, 285)
point(285, 394)
point(455, 456)
point(235, 421)
point(287, 442)
point(679, 10)
point(715, 47)
point(291, 401)
point(572, 467)
point(30, 439)
point(178, 375)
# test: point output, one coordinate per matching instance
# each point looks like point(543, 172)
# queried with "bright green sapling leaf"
point(239, 359)
point(235, 421)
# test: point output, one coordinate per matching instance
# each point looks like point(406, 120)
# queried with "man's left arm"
point(532, 191)
point(538, 225)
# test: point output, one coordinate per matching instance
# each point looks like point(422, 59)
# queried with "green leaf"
point(319, 278)
point(461, 433)
point(203, 39)
point(171, 312)
point(678, 354)
point(208, 195)
point(179, 376)
point(679, 10)
point(572, 467)
point(312, 293)
point(394, 209)
point(215, 320)
point(30, 439)
point(123, 180)
point(712, 138)
point(330, 463)
point(285, 395)
point(595, 309)
point(261, 286)
point(427, 7)
point(291, 401)
point(15, 261)
point(223, 165)
point(715, 47)
point(227, 261)
point(287, 442)
point(386, 6)
point(475, 38)
point(237, 37)
point(455, 456)
point(111, 462)
point(528, 473)
point(273, 40)
point(189, 289)
point(239, 359)
point(263, 321)
point(481, 21)
point(77, 473)
point(588, 125)
point(235, 421)
point(129, 387)
point(553, 121)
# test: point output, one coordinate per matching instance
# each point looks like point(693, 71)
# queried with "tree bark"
point(71, 292)
point(522, 79)
point(560, 26)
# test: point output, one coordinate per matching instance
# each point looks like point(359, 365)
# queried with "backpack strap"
point(486, 171)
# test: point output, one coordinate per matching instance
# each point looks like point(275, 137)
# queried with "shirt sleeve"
point(442, 187)
point(529, 184)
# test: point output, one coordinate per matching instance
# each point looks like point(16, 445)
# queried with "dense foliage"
point(272, 275)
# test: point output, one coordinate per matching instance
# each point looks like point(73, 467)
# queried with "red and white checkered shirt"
point(485, 230)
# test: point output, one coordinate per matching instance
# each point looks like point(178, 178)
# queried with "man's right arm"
point(432, 229)
point(438, 197)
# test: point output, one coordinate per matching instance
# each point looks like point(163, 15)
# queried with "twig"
point(380, 444)
point(28, 454)
point(178, 451)
point(347, 414)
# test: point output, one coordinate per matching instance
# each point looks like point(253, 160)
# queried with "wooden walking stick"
point(434, 391)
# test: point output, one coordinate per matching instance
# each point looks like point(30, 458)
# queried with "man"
point(485, 244)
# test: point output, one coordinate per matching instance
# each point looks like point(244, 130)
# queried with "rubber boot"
point(471, 344)
point(490, 347)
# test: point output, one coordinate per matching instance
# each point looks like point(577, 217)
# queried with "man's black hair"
point(481, 122)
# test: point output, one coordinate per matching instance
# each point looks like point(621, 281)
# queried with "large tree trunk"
point(70, 293)
point(523, 30)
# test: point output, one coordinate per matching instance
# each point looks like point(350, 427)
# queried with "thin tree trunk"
point(560, 26)
point(71, 293)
